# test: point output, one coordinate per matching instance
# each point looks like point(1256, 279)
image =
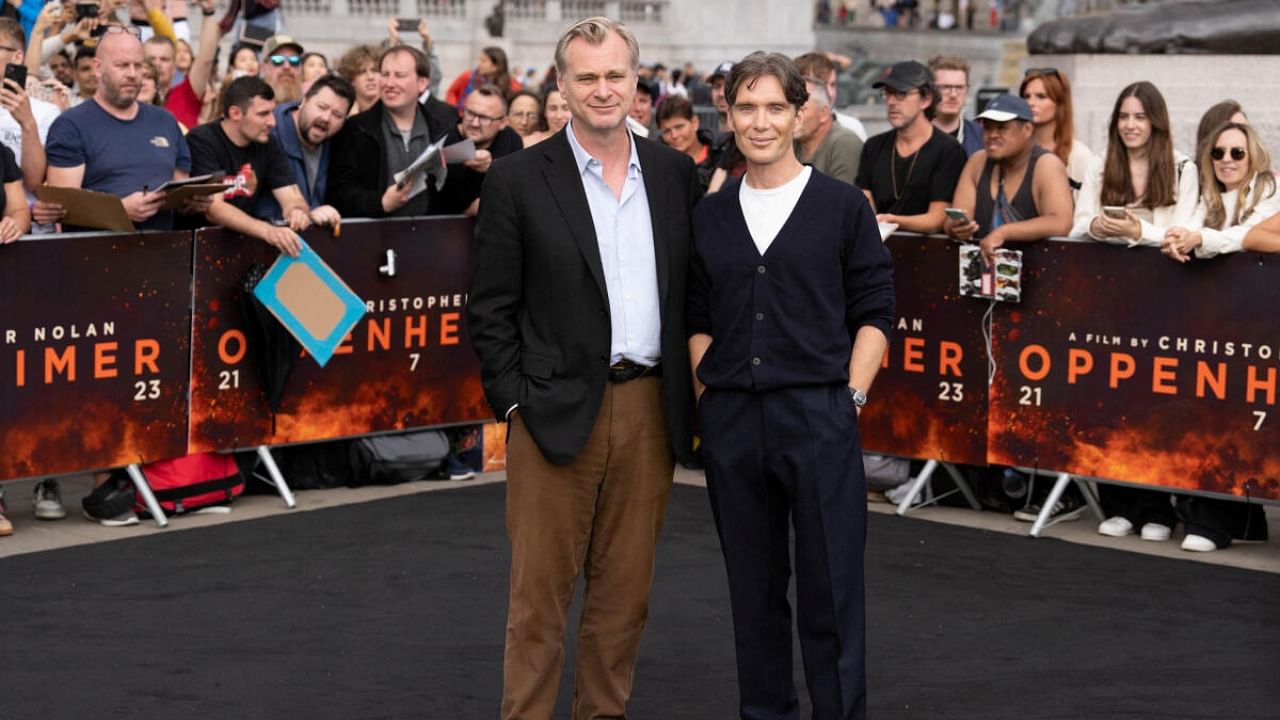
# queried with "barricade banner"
point(408, 363)
point(930, 397)
point(95, 351)
point(1122, 364)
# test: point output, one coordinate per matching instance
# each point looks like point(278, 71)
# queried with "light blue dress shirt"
point(624, 233)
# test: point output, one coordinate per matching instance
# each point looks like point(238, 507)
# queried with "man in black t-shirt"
point(910, 172)
point(240, 152)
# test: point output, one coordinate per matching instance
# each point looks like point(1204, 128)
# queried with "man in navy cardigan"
point(790, 303)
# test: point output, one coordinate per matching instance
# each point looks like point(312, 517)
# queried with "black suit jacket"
point(538, 311)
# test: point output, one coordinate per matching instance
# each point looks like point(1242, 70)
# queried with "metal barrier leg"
point(277, 480)
point(963, 484)
point(148, 498)
point(916, 486)
point(1092, 499)
point(1042, 520)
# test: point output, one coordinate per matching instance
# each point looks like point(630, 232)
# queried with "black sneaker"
point(1068, 507)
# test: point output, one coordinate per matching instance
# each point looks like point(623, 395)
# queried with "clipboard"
point(311, 301)
point(175, 196)
point(88, 208)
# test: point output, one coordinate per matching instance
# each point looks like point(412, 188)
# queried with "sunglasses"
point(279, 60)
point(1040, 71)
point(1237, 153)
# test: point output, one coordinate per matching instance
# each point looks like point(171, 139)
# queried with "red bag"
point(195, 481)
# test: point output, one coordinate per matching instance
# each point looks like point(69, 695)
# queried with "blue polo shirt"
point(120, 157)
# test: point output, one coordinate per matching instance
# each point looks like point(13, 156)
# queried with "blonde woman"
point(1237, 191)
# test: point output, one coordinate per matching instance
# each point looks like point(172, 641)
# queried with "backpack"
point(184, 484)
point(392, 459)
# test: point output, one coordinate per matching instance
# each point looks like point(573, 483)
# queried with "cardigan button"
point(755, 361)
point(759, 316)
point(760, 269)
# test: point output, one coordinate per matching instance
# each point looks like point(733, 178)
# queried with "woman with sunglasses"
point(1141, 186)
point(1048, 92)
point(1237, 191)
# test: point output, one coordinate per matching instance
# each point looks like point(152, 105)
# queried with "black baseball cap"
point(904, 76)
point(722, 71)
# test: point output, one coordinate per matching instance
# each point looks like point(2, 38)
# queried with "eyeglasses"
point(279, 60)
point(472, 115)
point(1040, 71)
point(951, 89)
point(896, 95)
point(130, 29)
point(1237, 153)
point(529, 115)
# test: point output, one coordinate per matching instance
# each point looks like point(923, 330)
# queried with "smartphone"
point(86, 10)
point(1115, 212)
point(255, 35)
point(958, 215)
point(410, 25)
point(16, 73)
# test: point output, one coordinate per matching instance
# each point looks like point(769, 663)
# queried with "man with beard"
point(184, 100)
point(1013, 190)
point(240, 150)
point(910, 172)
point(111, 143)
point(484, 122)
point(304, 130)
point(383, 140)
point(281, 67)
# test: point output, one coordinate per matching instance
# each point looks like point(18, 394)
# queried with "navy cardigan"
point(787, 318)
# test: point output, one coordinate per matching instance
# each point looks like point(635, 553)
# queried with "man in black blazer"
point(576, 310)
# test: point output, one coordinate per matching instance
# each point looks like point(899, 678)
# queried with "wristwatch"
point(858, 397)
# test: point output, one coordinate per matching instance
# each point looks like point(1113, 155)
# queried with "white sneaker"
point(1115, 527)
point(1155, 532)
point(1198, 543)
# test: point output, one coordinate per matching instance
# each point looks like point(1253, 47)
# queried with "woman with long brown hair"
point(1048, 92)
point(1141, 186)
point(491, 69)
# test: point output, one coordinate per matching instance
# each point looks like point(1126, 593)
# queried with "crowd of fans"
point(124, 100)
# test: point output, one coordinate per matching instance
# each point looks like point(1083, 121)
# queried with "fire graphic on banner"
point(930, 397)
point(1152, 382)
point(418, 315)
point(94, 352)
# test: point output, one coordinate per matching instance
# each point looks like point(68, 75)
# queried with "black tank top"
point(1023, 202)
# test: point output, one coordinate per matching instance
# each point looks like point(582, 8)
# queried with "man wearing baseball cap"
point(1012, 189)
point(910, 172)
point(716, 80)
point(282, 67)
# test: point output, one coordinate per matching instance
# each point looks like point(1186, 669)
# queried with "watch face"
point(859, 398)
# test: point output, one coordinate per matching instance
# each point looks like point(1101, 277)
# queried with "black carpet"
point(395, 609)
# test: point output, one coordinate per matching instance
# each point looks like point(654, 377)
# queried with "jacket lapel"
point(565, 184)
point(660, 204)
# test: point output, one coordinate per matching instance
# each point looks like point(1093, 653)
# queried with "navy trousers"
point(777, 460)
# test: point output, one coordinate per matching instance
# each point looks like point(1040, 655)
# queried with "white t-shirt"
point(766, 211)
point(11, 136)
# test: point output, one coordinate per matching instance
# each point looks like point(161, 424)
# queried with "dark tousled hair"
point(758, 64)
point(241, 92)
point(338, 84)
point(1162, 175)
point(675, 106)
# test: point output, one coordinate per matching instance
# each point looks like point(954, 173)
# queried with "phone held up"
point(16, 73)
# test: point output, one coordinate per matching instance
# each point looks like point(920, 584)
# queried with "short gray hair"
point(818, 92)
point(594, 30)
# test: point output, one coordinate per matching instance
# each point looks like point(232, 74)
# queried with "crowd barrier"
point(1118, 364)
